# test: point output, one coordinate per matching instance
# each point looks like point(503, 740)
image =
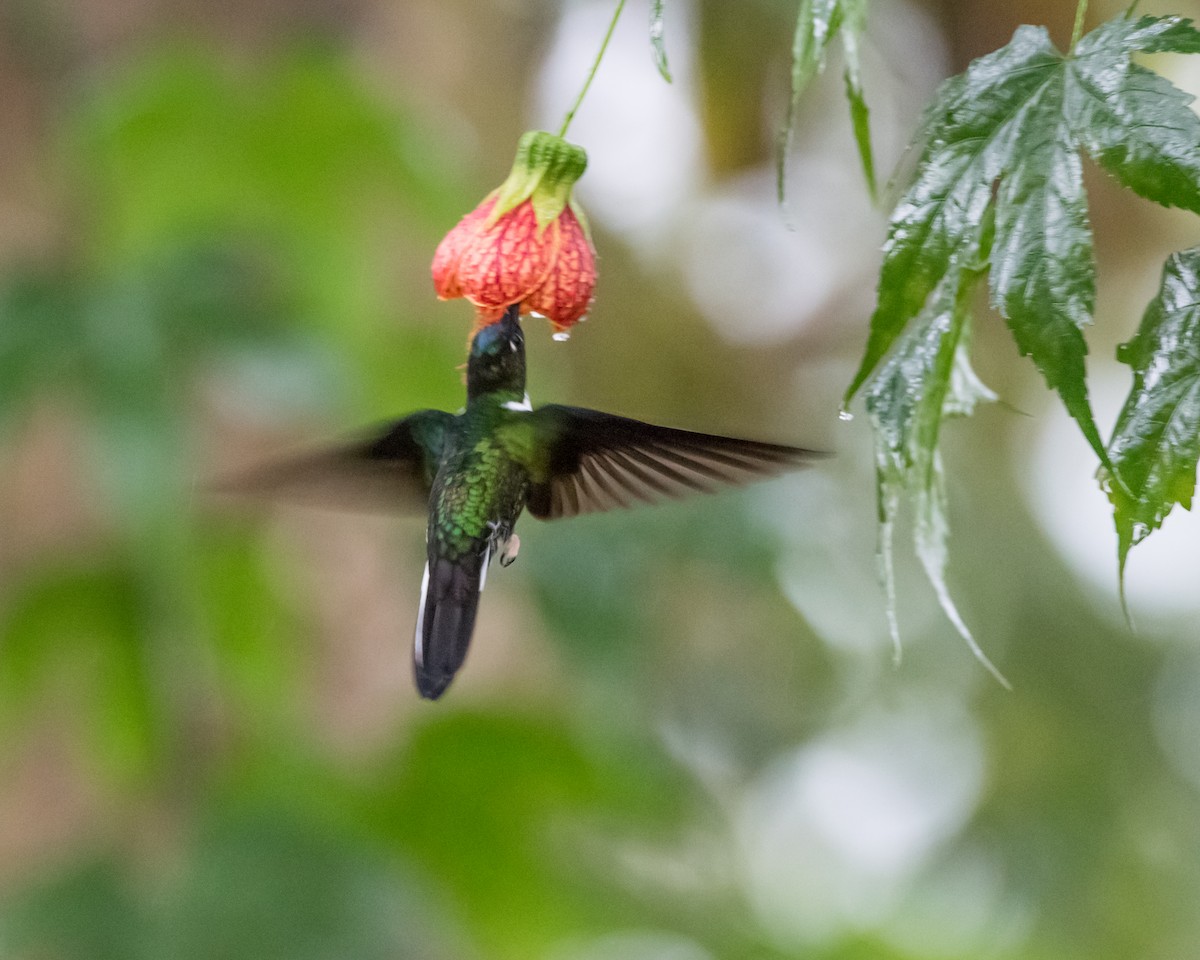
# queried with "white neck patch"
point(525, 404)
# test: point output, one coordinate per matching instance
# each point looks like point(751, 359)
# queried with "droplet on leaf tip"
point(845, 415)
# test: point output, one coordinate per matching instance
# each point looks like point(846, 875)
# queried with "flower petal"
point(505, 263)
point(446, 258)
point(565, 295)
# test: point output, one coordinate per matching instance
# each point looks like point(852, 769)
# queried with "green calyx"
point(544, 171)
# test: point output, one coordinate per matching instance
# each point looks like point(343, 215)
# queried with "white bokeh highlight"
point(645, 155)
point(633, 945)
point(831, 834)
point(759, 282)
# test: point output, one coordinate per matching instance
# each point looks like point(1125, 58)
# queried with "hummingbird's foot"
point(509, 550)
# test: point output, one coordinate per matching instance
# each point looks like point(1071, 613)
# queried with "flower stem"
point(1077, 31)
point(595, 66)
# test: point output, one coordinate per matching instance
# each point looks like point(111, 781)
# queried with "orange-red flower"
point(526, 243)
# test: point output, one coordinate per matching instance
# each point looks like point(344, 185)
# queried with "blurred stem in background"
point(562, 132)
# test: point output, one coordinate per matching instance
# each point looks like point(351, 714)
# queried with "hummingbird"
point(477, 470)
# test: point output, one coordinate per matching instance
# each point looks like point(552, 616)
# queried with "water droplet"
point(562, 336)
point(845, 415)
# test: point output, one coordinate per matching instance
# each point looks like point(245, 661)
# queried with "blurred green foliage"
point(246, 247)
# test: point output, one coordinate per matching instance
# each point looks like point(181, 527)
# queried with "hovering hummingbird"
point(478, 469)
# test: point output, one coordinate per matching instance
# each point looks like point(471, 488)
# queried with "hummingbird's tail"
point(449, 599)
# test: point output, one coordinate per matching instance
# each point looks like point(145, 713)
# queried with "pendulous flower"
point(526, 243)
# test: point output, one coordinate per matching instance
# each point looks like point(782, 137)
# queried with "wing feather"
point(389, 470)
point(604, 482)
point(598, 478)
point(664, 462)
point(612, 463)
point(570, 495)
point(599, 461)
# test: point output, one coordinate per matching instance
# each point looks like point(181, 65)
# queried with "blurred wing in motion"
point(389, 471)
point(598, 461)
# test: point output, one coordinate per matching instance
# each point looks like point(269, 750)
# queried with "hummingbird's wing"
point(598, 461)
point(389, 469)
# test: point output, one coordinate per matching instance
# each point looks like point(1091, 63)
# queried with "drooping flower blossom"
point(526, 243)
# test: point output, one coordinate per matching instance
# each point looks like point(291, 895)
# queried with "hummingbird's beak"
point(510, 323)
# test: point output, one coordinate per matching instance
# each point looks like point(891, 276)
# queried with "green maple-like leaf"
point(817, 23)
point(1133, 122)
point(998, 190)
point(1008, 133)
point(926, 379)
point(1156, 442)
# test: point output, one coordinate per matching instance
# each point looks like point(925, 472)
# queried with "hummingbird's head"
point(497, 360)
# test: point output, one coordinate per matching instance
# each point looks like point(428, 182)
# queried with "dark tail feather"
point(449, 599)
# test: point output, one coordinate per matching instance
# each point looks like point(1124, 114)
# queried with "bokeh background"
point(680, 734)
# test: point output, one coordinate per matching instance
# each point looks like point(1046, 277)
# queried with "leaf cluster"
point(998, 193)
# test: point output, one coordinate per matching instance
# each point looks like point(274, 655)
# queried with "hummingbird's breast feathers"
point(481, 485)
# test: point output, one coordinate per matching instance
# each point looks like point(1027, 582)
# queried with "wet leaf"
point(999, 189)
point(860, 117)
point(1042, 274)
point(817, 23)
point(926, 379)
point(1008, 133)
point(1133, 122)
point(979, 124)
point(1156, 442)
